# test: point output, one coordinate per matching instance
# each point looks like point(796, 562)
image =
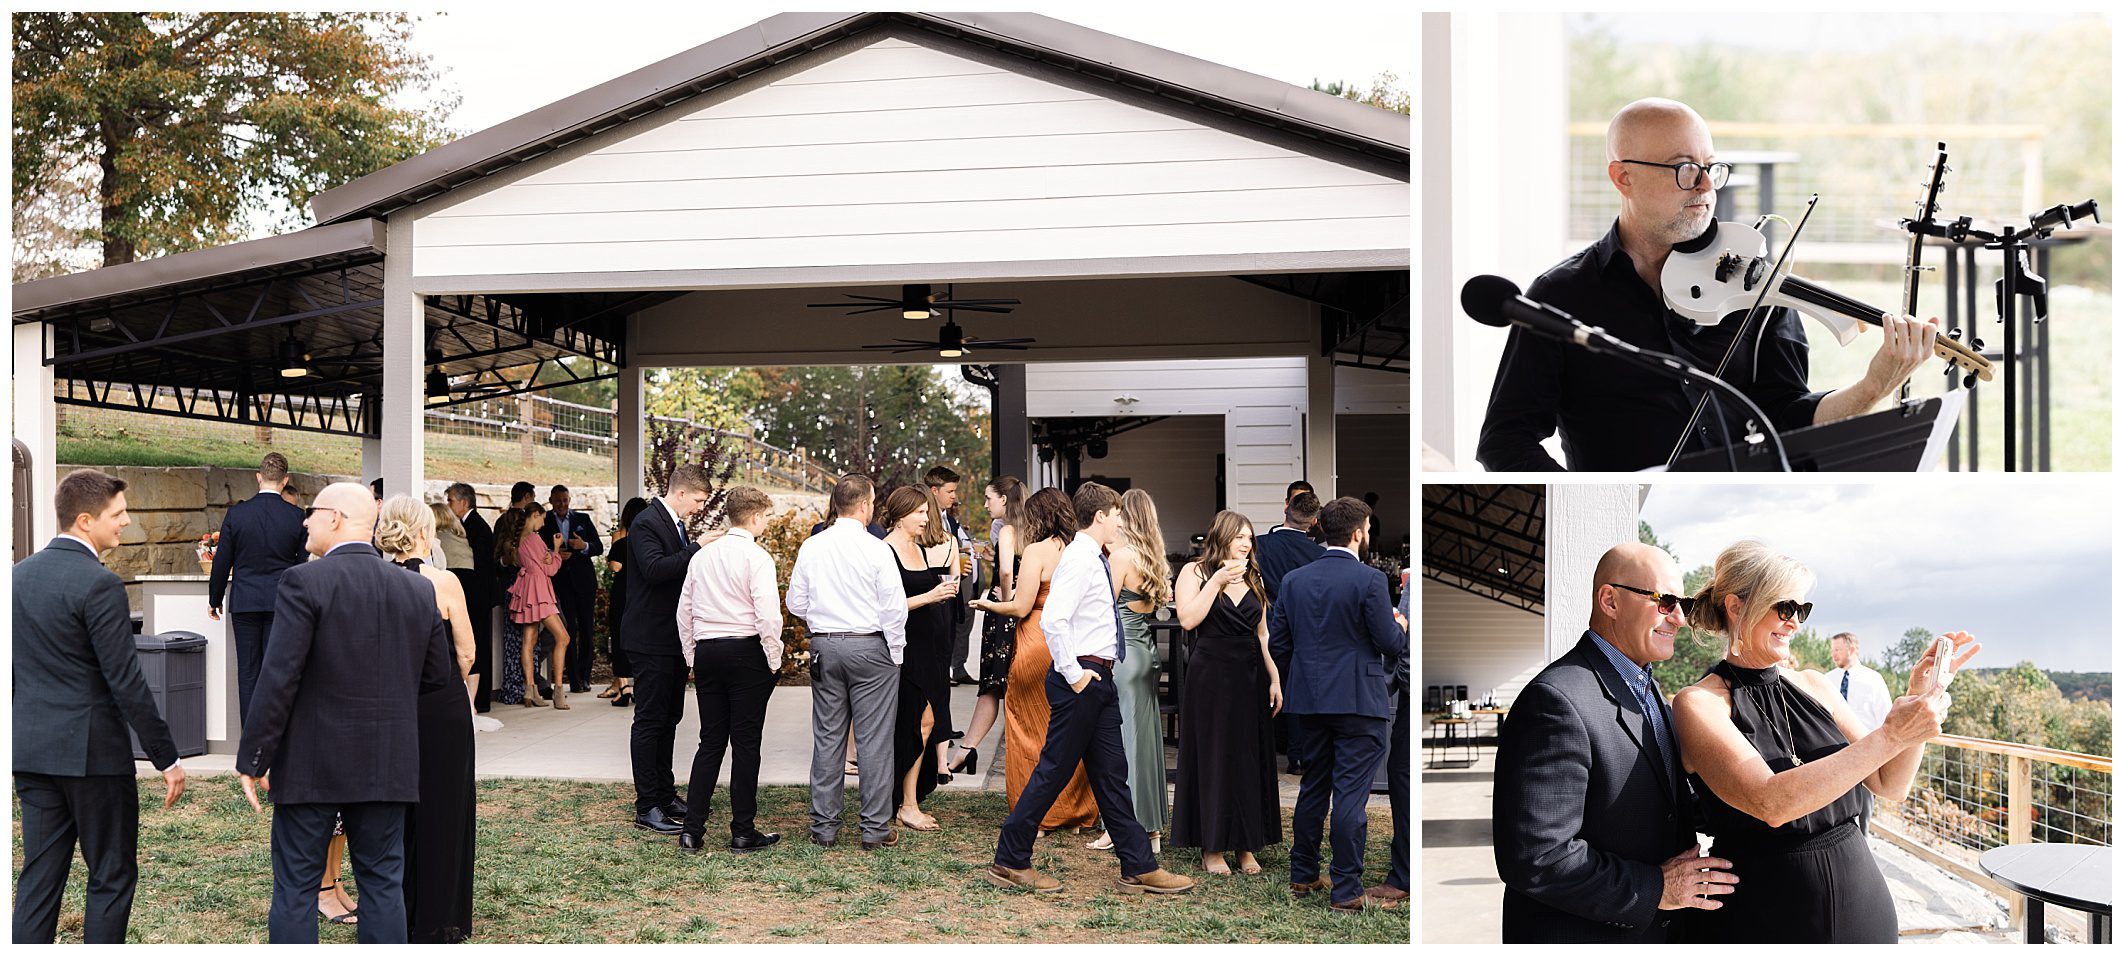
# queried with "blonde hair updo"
point(1758, 576)
point(400, 525)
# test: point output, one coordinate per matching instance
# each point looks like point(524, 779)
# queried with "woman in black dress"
point(924, 720)
point(441, 828)
point(999, 632)
point(1779, 759)
point(1224, 797)
point(620, 693)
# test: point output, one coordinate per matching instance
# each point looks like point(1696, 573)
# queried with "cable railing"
point(1973, 794)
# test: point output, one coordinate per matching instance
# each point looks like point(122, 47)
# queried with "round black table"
point(2072, 875)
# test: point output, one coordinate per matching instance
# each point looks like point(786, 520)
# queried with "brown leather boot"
point(1027, 879)
point(1156, 881)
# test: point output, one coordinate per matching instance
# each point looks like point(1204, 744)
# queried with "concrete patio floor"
point(1462, 898)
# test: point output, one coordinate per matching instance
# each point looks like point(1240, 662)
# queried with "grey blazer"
point(77, 681)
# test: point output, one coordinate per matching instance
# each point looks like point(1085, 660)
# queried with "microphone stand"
point(1597, 340)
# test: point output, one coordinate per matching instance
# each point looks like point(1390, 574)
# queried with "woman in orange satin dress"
point(1050, 524)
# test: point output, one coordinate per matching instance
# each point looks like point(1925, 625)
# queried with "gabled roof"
point(1363, 129)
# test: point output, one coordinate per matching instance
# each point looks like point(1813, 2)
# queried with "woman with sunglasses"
point(1782, 763)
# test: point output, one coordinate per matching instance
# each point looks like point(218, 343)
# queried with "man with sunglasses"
point(1593, 819)
point(1617, 417)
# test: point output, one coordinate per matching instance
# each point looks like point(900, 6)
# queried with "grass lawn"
point(559, 862)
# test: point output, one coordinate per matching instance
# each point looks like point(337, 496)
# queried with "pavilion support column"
point(405, 358)
point(371, 459)
point(627, 427)
point(1319, 464)
point(1013, 429)
point(35, 420)
point(1582, 522)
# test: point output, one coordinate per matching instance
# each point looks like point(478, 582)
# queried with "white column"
point(1319, 464)
point(628, 427)
point(1498, 204)
point(405, 357)
point(34, 417)
point(1432, 167)
point(1581, 523)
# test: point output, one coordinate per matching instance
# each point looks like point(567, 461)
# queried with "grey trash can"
point(174, 664)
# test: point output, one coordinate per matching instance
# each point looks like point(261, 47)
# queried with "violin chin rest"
point(1701, 242)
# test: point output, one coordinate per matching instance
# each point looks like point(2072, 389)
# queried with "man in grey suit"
point(77, 686)
point(846, 587)
point(356, 639)
point(1592, 816)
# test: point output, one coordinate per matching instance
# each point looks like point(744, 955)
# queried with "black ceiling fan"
point(916, 301)
point(952, 342)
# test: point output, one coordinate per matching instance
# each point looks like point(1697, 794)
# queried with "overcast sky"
point(509, 60)
point(2022, 565)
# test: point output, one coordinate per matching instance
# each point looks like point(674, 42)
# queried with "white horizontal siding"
point(1162, 388)
point(1490, 647)
point(898, 153)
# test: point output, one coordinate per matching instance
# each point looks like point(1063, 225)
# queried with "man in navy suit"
point(575, 584)
point(77, 686)
point(1286, 548)
point(260, 538)
point(1336, 625)
point(356, 639)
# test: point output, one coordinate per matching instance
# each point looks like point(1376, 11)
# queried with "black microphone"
point(1495, 301)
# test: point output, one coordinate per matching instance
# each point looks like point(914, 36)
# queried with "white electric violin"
point(1726, 269)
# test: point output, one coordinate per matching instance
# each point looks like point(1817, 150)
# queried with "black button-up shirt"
point(1617, 417)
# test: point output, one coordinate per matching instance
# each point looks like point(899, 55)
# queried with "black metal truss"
point(1487, 540)
point(490, 383)
point(82, 328)
point(310, 410)
point(1365, 314)
point(560, 326)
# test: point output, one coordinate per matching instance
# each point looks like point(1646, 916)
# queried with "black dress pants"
point(659, 703)
point(376, 850)
point(732, 682)
point(101, 812)
point(249, 629)
point(1081, 727)
point(577, 609)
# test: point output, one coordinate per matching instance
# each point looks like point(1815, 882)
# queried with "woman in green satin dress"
point(1143, 582)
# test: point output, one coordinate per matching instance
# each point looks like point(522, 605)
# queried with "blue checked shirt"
point(1639, 680)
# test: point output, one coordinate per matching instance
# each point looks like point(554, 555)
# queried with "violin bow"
point(1920, 226)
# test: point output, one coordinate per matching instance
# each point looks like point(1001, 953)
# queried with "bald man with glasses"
point(1593, 819)
point(1617, 417)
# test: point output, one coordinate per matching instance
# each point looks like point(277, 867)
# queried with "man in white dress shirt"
point(846, 587)
point(1859, 684)
point(730, 632)
point(1867, 693)
point(1083, 630)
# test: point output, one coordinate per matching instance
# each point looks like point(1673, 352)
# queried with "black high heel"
point(625, 698)
point(971, 764)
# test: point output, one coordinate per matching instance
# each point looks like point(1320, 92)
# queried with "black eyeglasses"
point(1667, 602)
point(1793, 610)
point(1687, 175)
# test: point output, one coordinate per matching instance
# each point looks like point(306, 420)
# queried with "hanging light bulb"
point(294, 358)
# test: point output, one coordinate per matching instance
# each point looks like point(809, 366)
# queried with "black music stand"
point(1905, 438)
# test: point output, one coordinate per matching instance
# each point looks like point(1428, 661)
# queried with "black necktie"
point(1846, 689)
point(1120, 638)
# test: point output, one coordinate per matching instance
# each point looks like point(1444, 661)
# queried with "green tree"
point(1645, 535)
point(1694, 651)
point(1386, 92)
point(1900, 658)
point(190, 119)
point(890, 422)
